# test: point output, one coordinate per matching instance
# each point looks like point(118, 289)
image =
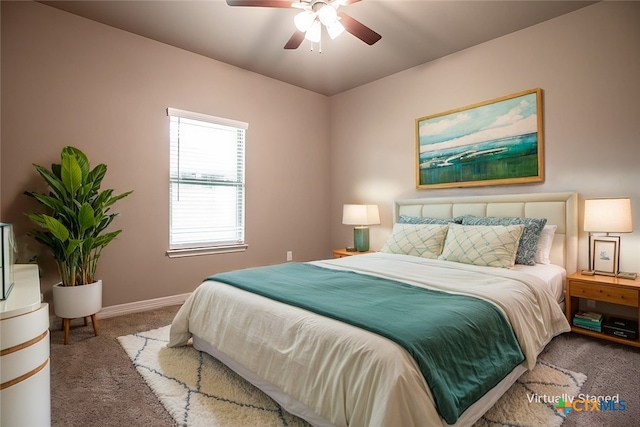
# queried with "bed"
point(330, 372)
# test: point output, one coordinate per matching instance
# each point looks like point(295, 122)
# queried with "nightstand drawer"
point(600, 292)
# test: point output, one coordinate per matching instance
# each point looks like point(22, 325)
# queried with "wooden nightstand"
point(339, 253)
point(602, 288)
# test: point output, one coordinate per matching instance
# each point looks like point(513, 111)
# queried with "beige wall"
point(70, 81)
point(586, 62)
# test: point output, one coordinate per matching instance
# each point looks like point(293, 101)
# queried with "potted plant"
point(73, 228)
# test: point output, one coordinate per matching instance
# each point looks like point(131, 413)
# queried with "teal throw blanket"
point(463, 345)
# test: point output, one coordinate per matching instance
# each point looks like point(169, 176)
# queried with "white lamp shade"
point(335, 29)
point(327, 15)
point(303, 20)
point(313, 34)
point(608, 216)
point(360, 215)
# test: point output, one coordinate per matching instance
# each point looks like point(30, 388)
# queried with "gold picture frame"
point(489, 143)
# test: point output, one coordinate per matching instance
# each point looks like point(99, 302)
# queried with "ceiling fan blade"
point(358, 29)
point(295, 40)
point(346, 2)
point(259, 3)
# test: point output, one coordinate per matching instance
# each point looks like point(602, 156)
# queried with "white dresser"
point(25, 386)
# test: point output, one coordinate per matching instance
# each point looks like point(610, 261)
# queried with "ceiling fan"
point(315, 14)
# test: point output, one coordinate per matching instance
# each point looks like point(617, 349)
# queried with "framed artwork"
point(491, 143)
point(605, 256)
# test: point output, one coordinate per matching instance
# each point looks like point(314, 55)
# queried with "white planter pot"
point(72, 302)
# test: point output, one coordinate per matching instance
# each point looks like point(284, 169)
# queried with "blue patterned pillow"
point(406, 219)
point(528, 245)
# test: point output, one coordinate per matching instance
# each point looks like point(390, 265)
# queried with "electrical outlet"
point(591, 303)
point(289, 255)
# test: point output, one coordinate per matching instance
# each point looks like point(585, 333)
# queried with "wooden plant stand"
point(66, 323)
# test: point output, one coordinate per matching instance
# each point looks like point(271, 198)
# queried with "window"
point(206, 184)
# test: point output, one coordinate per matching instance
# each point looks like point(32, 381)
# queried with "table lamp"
point(361, 216)
point(608, 216)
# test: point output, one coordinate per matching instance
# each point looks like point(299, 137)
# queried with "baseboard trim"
point(138, 306)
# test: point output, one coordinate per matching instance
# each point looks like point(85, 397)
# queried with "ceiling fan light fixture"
point(313, 34)
point(335, 29)
point(312, 16)
point(304, 20)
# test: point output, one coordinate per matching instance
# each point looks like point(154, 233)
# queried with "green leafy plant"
point(77, 215)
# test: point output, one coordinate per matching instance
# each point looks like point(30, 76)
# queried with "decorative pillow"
point(487, 245)
point(406, 219)
point(529, 240)
point(423, 240)
point(544, 244)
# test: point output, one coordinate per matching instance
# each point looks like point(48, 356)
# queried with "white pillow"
point(486, 245)
point(423, 240)
point(544, 244)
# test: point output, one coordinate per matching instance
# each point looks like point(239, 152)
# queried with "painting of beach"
point(494, 142)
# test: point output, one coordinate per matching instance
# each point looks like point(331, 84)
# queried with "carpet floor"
point(93, 381)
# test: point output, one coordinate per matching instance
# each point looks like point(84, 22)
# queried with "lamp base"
point(361, 238)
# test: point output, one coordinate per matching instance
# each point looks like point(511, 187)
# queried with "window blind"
point(207, 156)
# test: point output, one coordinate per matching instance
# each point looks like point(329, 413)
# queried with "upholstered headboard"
point(559, 209)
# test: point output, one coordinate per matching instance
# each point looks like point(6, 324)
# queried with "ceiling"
point(413, 32)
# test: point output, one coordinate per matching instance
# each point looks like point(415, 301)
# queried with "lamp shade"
point(303, 20)
point(314, 33)
point(360, 215)
point(335, 29)
point(327, 15)
point(608, 216)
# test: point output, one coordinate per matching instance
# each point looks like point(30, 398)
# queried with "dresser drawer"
point(622, 296)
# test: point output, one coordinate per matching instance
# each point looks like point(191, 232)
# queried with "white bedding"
point(343, 374)
point(553, 276)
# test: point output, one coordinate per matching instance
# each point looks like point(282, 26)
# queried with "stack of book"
point(588, 320)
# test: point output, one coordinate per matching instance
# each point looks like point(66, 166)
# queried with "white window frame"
point(215, 246)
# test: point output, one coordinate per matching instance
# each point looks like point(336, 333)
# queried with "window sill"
point(210, 250)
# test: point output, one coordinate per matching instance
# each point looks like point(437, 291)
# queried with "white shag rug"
point(198, 390)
